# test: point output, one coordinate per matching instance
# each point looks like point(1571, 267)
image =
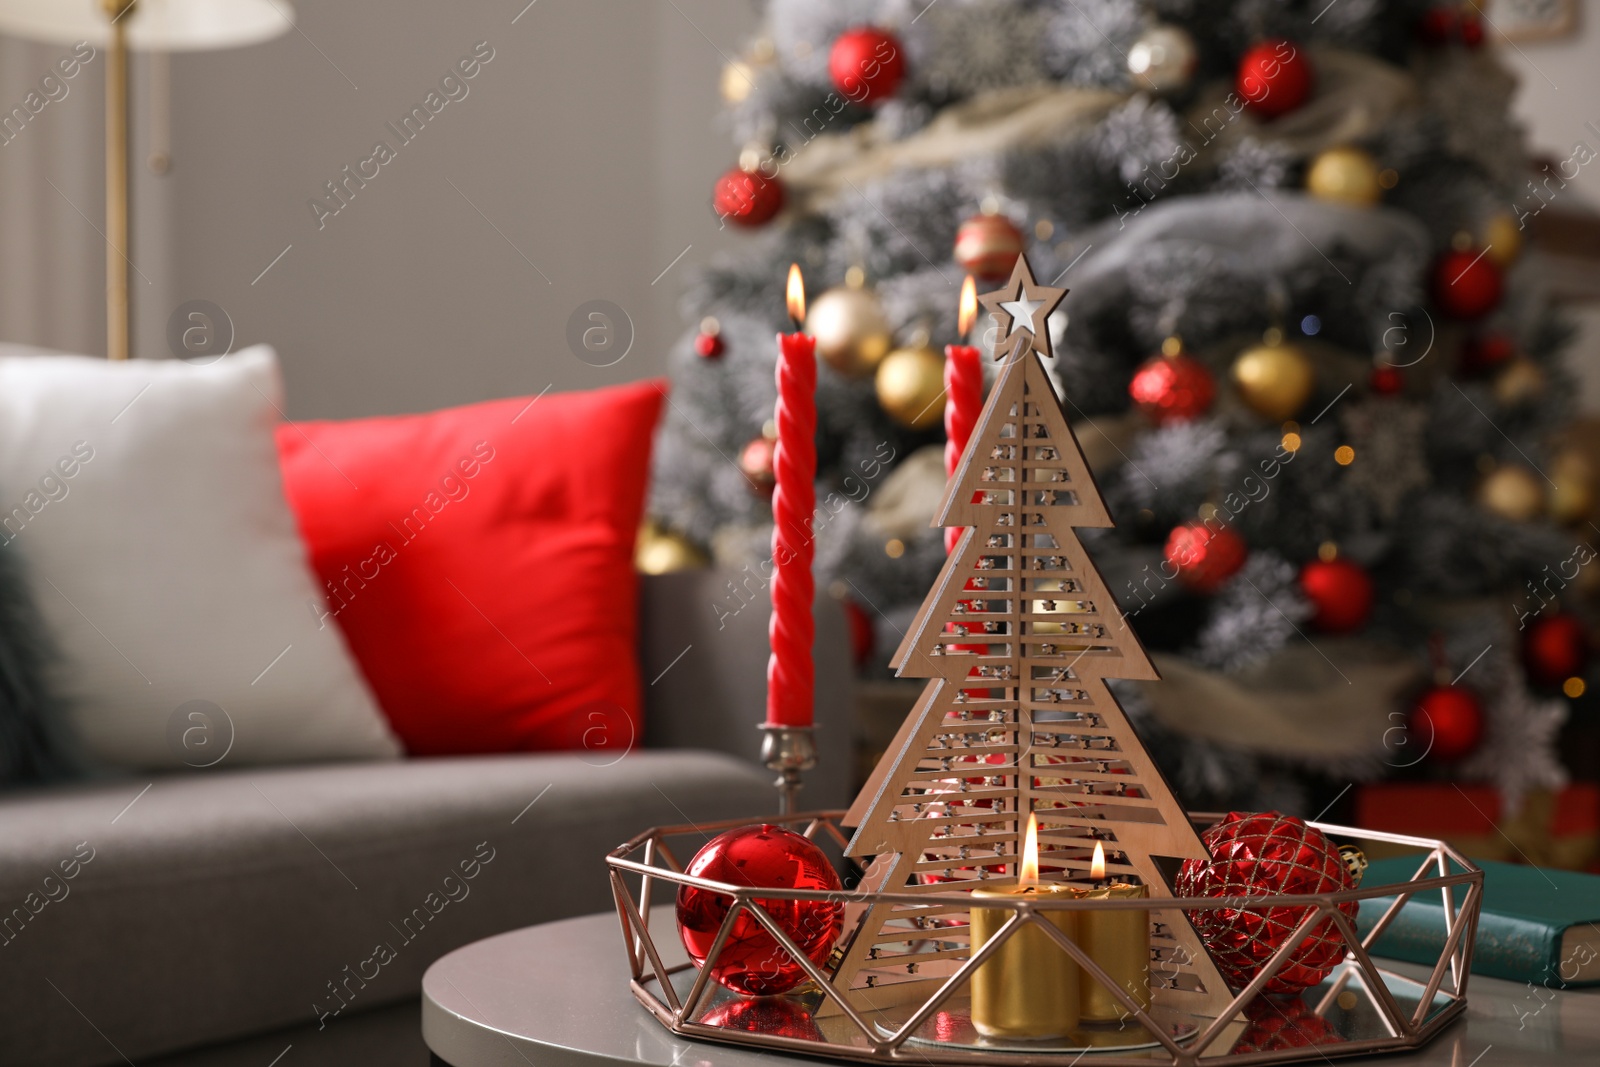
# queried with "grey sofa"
point(237, 916)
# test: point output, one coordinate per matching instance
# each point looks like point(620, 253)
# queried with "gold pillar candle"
point(1029, 988)
point(1119, 941)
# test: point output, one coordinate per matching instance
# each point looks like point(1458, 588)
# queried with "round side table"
point(557, 995)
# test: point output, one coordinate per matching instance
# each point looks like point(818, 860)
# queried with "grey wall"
point(1558, 98)
point(588, 143)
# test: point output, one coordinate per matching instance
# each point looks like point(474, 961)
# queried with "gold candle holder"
point(1119, 941)
point(1029, 988)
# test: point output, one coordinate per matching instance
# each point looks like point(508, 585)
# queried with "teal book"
point(1538, 925)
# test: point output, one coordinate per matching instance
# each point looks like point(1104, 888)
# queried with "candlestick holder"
point(921, 1012)
point(789, 750)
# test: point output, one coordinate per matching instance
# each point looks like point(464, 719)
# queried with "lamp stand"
point(117, 329)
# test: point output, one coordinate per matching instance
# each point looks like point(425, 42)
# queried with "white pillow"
point(145, 500)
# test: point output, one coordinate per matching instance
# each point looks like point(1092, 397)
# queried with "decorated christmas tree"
point(1304, 356)
point(1017, 719)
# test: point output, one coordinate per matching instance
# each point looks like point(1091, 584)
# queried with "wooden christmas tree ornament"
point(1017, 638)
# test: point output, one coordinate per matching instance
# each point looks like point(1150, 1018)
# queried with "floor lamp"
point(118, 26)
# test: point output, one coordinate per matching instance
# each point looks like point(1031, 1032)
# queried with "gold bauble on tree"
point(662, 551)
point(1274, 378)
point(1345, 175)
point(852, 333)
point(1502, 239)
point(910, 386)
point(1521, 382)
point(1513, 492)
point(1573, 498)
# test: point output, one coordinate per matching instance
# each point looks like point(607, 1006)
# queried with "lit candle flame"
point(969, 307)
point(1097, 869)
point(796, 296)
point(1028, 873)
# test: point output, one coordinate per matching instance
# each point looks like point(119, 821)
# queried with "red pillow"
point(480, 562)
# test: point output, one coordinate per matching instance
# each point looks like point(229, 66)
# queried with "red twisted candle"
point(790, 672)
point(963, 395)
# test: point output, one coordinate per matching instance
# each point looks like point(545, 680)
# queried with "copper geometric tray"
point(1360, 1009)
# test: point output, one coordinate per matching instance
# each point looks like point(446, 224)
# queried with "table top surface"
point(557, 995)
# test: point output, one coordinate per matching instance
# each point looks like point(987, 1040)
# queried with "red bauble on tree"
point(987, 246)
point(708, 343)
point(862, 635)
point(762, 857)
point(1447, 722)
point(1554, 648)
point(1466, 284)
point(1267, 854)
point(866, 65)
point(1172, 387)
point(746, 198)
point(1205, 558)
point(1341, 593)
point(755, 460)
point(1484, 355)
point(1275, 77)
point(1386, 381)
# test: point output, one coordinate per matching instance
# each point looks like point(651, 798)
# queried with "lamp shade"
point(153, 25)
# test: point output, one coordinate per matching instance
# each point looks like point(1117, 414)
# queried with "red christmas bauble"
point(1466, 284)
point(1266, 854)
point(1437, 25)
point(761, 857)
point(1486, 354)
point(747, 199)
point(862, 635)
point(866, 65)
point(987, 246)
point(1173, 388)
point(1471, 28)
point(1386, 381)
point(1554, 648)
point(1203, 558)
point(755, 460)
point(778, 1016)
point(1341, 593)
point(1448, 722)
point(1275, 77)
point(709, 345)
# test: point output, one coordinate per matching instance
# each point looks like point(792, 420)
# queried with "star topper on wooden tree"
point(1022, 308)
point(1018, 637)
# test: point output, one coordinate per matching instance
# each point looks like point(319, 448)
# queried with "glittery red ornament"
point(1341, 593)
point(1486, 354)
point(1175, 388)
point(1205, 558)
point(709, 346)
point(1466, 284)
point(1275, 77)
point(747, 199)
point(1266, 854)
point(987, 246)
point(1554, 648)
point(1386, 381)
point(1447, 721)
point(756, 462)
point(1279, 1023)
point(866, 65)
point(761, 857)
